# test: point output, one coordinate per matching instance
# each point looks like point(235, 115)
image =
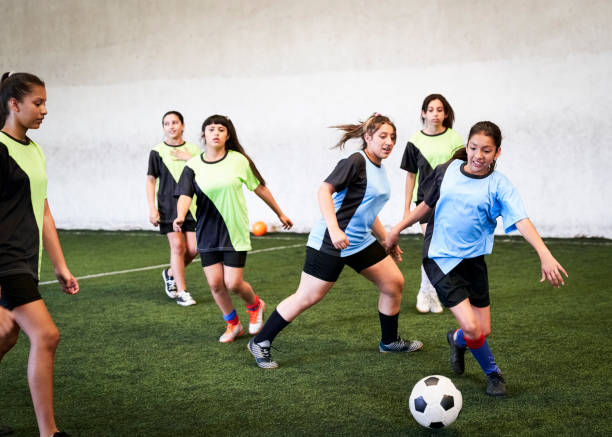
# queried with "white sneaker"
point(256, 318)
point(434, 303)
point(231, 333)
point(184, 299)
point(422, 303)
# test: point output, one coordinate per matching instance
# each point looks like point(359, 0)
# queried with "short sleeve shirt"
point(425, 152)
point(466, 210)
point(221, 214)
point(167, 169)
point(23, 190)
point(361, 189)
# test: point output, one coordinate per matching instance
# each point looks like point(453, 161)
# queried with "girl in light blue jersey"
point(466, 196)
point(350, 199)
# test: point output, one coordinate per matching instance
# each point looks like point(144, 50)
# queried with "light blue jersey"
point(361, 190)
point(465, 217)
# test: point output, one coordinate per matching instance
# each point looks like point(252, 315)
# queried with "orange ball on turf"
point(259, 229)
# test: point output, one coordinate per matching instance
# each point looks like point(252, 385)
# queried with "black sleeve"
point(185, 186)
point(347, 171)
point(431, 185)
point(154, 162)
point(410, 158)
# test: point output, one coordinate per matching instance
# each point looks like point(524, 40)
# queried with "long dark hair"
point(15, 85)
point(232, 142)
point(487, 128)
point(370, 126)
point(448, 109)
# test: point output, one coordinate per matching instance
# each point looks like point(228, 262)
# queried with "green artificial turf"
point(133, 363)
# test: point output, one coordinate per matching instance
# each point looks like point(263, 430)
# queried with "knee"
point(8, 341)
point(192, 252)
point(216, 286)
point(233, 285)
point(178, 248)
point(393, 286)
point(472, 330)
point(48, 338)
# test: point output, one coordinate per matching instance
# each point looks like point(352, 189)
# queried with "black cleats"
point(496, 384)
point(457, 359)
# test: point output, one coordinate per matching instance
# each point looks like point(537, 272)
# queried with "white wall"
point(285, 70)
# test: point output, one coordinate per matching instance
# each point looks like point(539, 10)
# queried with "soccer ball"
point(435, 402)
point(259, 229)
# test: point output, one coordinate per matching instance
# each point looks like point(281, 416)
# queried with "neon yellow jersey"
point(23, 190)
point(424, 153)
point(222, 217)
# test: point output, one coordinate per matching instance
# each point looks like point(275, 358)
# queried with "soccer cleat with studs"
point(400, 345)
point(184, 299)
point(261, 352)
point(496, 384)
point(169, 285)
point(256, 318)
point(457, 354)
point(231, 333)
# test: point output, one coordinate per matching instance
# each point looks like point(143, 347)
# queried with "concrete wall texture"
point(285, 70)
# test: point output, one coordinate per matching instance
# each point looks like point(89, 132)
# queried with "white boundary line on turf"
point(142, 269)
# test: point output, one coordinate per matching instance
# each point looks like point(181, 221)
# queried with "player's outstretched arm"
point(551, 269)
point(265, 194)
point(52, 245)
point(380, 232)
point(415, 215)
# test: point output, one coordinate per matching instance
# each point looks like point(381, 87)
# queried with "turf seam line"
point(142, 269)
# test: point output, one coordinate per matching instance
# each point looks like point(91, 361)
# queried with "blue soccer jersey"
point(361, 190)
point(465, 215)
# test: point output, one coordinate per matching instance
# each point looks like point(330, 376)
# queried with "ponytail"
point(17, 86)
point(370, 126)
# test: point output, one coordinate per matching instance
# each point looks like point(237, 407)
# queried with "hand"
point(339, 239)
point(551, 271)
point(68, 282)
point(396, 253)
point(391, 240)
point(6, 321)
point(177, 223)
point(154, 217)
point(286, 221)
point(180, 154)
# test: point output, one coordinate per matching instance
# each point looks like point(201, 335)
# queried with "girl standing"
point(26, 225)
point(216, 177)
point(166, 163)
point(426, 149)
point(467, 195)
point(350, 199)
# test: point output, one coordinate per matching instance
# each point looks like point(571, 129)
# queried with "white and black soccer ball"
point(435, 402)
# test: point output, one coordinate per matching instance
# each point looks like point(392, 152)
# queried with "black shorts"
point(425, 219)
point(188, 226)
point(229, 258)
point(18, 290)
point(328, 267)
point(469, 280)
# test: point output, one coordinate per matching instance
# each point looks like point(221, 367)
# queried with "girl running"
point(350, 199)
point(216, 177)
point(433, 145)
point(26, 225)
point(466, 196)
point(166, 163)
